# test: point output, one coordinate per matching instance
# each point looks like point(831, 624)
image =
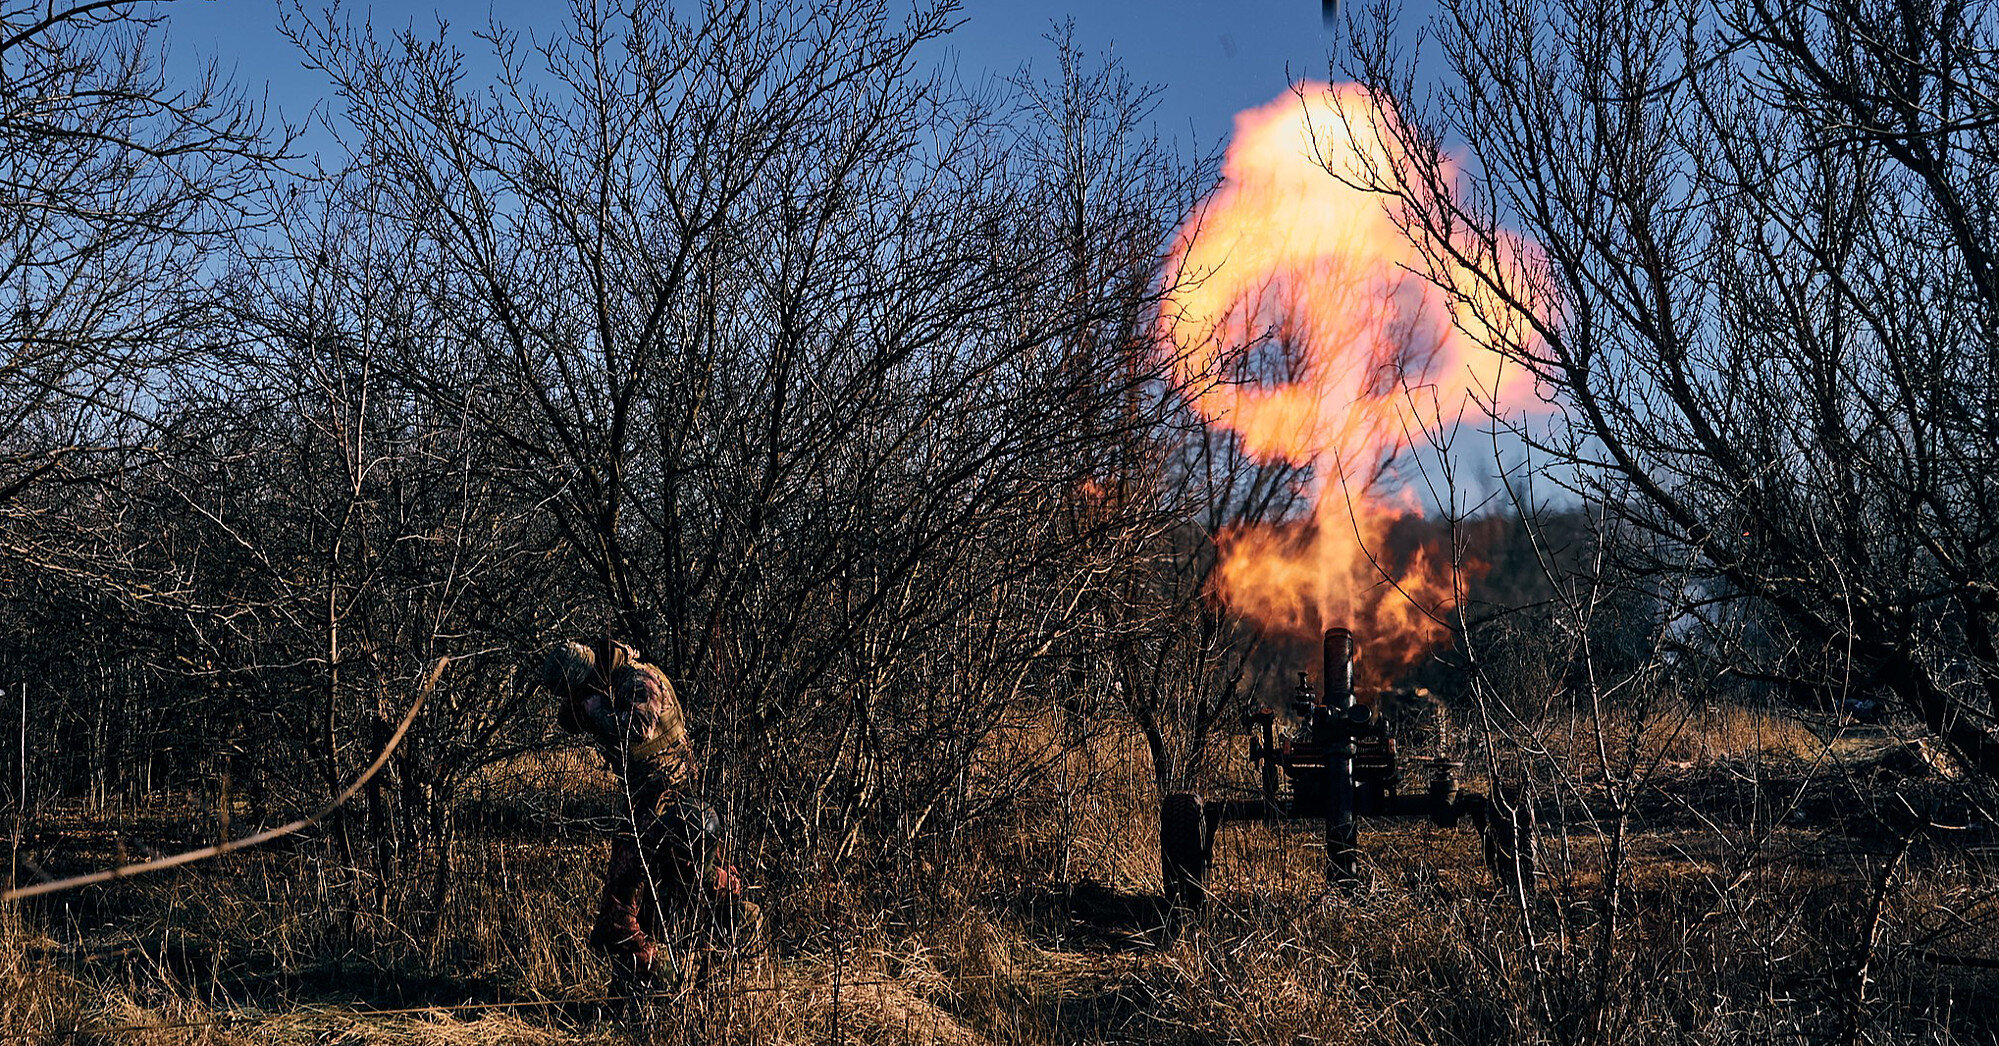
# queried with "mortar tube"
point(1342, 832)
point(1339, 668)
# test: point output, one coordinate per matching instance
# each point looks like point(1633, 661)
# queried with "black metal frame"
point(1343, 764)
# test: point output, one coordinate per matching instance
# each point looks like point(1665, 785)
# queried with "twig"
point(21, 799)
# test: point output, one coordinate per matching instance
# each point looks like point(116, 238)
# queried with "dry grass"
point(1047, 931)
point(1682, 735)
point(1716, 732)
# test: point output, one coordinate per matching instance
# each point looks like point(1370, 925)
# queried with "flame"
point(1302, 316)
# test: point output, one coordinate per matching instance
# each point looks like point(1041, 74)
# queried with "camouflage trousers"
point(669, 878)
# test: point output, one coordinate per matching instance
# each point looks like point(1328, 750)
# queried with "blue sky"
point(1211, 57)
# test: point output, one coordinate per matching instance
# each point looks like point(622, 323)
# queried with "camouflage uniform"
point(671, 859)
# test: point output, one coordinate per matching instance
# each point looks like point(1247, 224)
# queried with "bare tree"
point(1759, 286)
point(120, 192)
point(117, 190)
point(806, 355)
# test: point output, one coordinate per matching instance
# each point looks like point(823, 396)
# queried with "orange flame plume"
point(1303, 317)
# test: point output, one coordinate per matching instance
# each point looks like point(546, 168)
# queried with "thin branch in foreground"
point(190, 856)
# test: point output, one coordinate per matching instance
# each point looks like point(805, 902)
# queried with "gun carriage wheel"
point(1185, 850)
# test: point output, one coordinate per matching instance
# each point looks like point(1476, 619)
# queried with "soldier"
point(670, 859)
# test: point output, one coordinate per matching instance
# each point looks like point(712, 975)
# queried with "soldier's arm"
point(598, 714)
point(569, 714)
point(650, 703)
point(629, 712)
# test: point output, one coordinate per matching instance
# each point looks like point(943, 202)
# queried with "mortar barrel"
point(1339, 667)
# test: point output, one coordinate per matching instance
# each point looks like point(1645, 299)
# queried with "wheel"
point(1183, 850)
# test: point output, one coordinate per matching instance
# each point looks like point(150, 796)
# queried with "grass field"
point(1758, 891)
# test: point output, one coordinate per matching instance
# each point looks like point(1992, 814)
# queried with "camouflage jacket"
point(635, 718)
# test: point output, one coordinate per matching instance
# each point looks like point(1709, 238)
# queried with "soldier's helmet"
point(568, 666)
